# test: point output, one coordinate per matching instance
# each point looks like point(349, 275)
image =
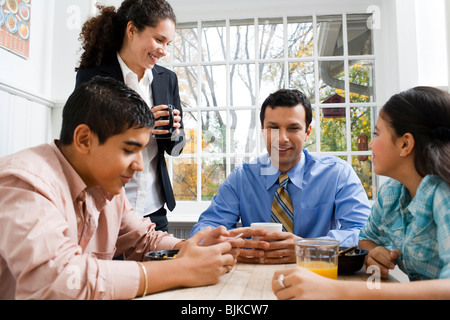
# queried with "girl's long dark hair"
point(103, 35)
point(425, 113)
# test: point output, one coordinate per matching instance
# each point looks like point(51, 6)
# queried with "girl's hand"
point(300, 283)
point(384, 258)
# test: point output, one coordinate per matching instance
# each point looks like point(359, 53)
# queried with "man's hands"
point(270, 248)
point(221, 249)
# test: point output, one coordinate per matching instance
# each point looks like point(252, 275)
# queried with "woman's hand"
point(162, 111)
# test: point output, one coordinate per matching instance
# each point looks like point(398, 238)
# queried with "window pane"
point(214, 131)
point(214, 86)
point(237, 160)
point(271, 45)
point(242, 39)
point(213, 41)
point(331, 82)
point(185, 179)
point(213, 174)
point(361, 126)
point(333, 130)
point(359, 36)
point(364, 171)
point(330, 40)
point(225, 83)
point(186, 43)
point(243, 131)
point(271, 79)
point(300, 32)
point(301, 77)
point(190, 130)
point(242, 81)
point(187, 85)
point(361, 74)
point(311, 144)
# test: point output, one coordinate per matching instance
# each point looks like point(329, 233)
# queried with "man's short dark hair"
point(287, 98)
point(107, 106)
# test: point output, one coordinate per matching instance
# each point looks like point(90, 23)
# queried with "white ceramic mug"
point(269, 227)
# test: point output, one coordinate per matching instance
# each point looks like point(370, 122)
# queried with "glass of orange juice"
point(318, 255)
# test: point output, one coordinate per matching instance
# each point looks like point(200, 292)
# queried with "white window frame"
point(190, 210)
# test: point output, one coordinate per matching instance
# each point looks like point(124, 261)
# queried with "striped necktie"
point(282, 211)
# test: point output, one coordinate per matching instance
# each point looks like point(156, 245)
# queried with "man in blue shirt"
point(327, 197)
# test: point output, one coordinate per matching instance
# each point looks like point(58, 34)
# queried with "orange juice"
point(323, 268)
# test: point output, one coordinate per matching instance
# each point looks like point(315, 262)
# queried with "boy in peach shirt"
point(64, 215)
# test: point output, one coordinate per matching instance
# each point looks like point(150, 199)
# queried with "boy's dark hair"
point(287, 98)
point(107, 106)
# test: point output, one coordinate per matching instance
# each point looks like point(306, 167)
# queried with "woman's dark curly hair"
point(104, 34)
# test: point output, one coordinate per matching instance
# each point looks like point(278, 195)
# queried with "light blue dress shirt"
point(326, 193)
point(418, 227)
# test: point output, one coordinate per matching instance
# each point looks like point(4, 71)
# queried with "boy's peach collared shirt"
point(57, 239)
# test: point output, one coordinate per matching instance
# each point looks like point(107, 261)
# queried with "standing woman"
point(126, 45)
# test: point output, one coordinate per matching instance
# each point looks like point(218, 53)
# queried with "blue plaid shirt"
point(419, 228)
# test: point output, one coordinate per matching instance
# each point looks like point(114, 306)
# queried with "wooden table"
point(250, 282)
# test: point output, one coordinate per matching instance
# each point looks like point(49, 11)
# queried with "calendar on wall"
point(15, 26)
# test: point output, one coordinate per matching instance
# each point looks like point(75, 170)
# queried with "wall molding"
point(14, 90)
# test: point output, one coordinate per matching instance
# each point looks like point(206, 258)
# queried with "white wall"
point(25, 86)
point(431, 42)
point(23, 123)
point(68, 19)
point(32, 91)
point(421, 43)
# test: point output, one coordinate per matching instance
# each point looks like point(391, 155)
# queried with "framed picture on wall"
point(15, 26)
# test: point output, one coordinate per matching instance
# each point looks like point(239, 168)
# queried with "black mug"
point(169, 127)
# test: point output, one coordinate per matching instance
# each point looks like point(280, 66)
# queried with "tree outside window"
point(227, 68)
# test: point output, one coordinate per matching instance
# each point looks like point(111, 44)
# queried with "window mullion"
point(316, 82)
point(285, 54)
point(260, 147)
point(198, 156)
point(228, 99)
point(347, 89)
